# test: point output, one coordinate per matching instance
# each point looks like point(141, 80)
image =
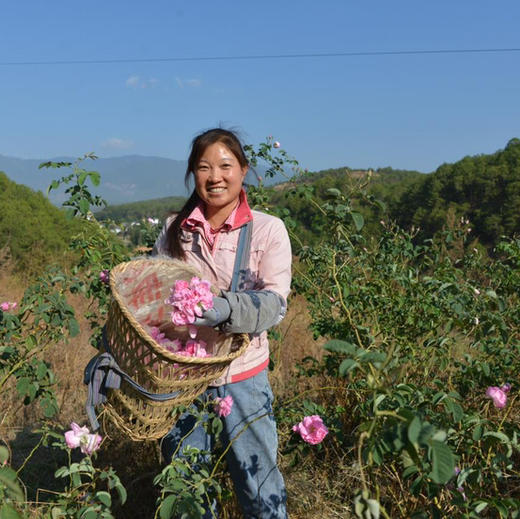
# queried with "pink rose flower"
point(189, 300)
point(104, 276)
point(311, 429)
point(6, 306)
point(223, 405)
point(81, 437)
point(157, 335)
point(182, 317)
point(194, 349)
point(498, 395)
point(73, 437)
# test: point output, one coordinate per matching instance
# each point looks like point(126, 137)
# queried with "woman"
point(205, 234)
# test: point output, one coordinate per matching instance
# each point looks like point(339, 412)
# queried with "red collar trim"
point(243, 214)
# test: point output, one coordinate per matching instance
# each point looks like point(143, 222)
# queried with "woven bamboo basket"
point(139, 288)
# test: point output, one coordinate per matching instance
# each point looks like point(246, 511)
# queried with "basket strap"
point(242, 257)
point(102, 373)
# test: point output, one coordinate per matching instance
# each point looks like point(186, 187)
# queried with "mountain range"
point(129, 178)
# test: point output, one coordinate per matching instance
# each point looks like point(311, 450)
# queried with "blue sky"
point(411, 111)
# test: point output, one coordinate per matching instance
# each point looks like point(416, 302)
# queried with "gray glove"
point(216, 315)
point(253, 311)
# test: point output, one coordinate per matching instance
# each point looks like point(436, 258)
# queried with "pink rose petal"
point(498, 396)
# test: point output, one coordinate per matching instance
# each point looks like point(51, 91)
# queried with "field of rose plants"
point(396, 396)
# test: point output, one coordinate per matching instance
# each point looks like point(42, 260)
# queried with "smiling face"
point(218, 181)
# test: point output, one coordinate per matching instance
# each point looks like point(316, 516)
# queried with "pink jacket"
point(270, 266)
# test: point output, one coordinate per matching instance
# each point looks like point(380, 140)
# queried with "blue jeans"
point(251, 458)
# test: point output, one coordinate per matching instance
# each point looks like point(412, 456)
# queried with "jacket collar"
point(240, 215)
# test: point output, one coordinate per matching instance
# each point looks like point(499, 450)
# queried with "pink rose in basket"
point(189, 300)
point(194, 349)
point(157, 335)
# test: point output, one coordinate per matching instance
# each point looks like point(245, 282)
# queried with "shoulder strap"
point(242, 256)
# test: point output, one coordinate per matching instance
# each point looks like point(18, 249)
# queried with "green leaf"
point(121, 490)
point(440, 435)
point(54, 184)
point(9, 480)
point(4, 455)
point(427, 431)
point(438, 397)
point(479, 506)
point(477, 432)
point(410, 471)
point(62, 472)
point(104, 497)
point(51, 164)
point(414, 429)
point(358, 219)
point(443, 462)
point(30, 342)
point(41, 370)
point(84, 206)
point(380, 204)
point(216, 425)
point(333, 192)
point(57, 513)
point(94, 177)
point(166, 510)
point(22, 386)
point(378, 400)
point(339, 346)
point(347, 365)
point(498, 435)
point(8, 512)
point(81, 178)
point(73, 327)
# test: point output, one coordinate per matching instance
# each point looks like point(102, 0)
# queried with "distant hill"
point(130, 178)
point(134, 211)
point(36, 232)
point(484, 189)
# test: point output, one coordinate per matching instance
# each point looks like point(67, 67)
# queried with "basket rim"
point(156, 347)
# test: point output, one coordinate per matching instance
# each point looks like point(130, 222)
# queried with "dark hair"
point(198, 147)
